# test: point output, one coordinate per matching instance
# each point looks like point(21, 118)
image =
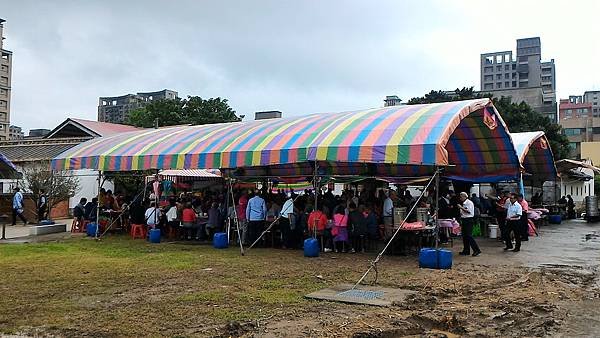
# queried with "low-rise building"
point(31, 152)
point(579, 122)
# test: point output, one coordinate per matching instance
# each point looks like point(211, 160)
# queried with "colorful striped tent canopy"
point(7, 168)
point(536, 156)
point(470, 136)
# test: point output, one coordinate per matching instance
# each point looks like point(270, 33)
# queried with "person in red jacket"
point(317, 220)
point(188, 219)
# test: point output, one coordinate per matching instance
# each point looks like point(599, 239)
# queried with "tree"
point(519, 117)
point(193, 110)
point(59, 185)
point(522, 118)
point(168, 113)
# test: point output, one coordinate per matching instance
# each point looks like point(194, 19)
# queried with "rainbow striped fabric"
point(411, 138)
point(536, 156)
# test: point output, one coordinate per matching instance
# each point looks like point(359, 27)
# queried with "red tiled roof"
point(104, 128)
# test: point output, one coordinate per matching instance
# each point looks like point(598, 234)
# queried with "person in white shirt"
point(513, 221)
point(467, 214)
point(152, 216)
point(286, 222)
point(388, 215)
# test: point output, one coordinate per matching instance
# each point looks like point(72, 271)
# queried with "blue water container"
point(428, 258)
point(444, 259)
point(91, 229)
point(311, 248)
point(220, 240)
point(555, 219)
point(154, 235)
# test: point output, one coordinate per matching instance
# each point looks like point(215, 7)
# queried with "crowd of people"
point(345, 222)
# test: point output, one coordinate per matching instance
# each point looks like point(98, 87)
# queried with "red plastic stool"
point(138, 230)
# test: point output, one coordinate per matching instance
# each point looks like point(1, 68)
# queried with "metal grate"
point(361, 294)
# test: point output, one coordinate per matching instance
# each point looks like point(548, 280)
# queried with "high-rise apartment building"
point(116, 109)
point(522, 78)
point(5, 81)
point(579, 115)
point(593, 97)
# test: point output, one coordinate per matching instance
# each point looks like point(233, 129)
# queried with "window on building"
point(506, 76)
point(114, 103)
point(498, 58)
point(488, 69)
point(488, 86)
point(596, 130)
point(572, 131)
point(514, 84)
point(523, 59)
point(488, 78)
point(506, 84)
point(498, 76)
point(498, 68)
point(489, 60)
point(514, 66)
point(498, 84)
point(507, 67)
point(595, 103)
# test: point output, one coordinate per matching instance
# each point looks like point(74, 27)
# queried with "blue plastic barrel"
point(154, 235)
point(91, 229)
point(311, 248)
point(444, 259)
point(428, 258)
point(554, 219)
point(220, 240)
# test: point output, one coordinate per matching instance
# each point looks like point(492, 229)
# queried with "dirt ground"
point(119, 287)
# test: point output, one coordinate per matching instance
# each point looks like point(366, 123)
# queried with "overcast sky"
point(296, 56)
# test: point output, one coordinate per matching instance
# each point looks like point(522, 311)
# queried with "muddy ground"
point(118, 287)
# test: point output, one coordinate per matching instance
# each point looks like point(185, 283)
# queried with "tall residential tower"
point(5, 80)
point(116, 109)
point(522, 78)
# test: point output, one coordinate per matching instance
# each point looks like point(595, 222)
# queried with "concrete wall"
point(578, 189)
point(591, 151)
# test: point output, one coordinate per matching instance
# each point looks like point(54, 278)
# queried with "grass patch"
point(122, 282)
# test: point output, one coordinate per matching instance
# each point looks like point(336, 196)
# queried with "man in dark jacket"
point(357, 225)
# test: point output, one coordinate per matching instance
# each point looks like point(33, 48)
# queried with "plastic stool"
point(138, 230)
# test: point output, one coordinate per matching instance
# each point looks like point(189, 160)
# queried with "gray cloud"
point(296, 56)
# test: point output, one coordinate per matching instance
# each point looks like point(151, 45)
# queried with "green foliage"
point(127, 182)
point(519, 117)
point(193, 110)
point(59, 185)
point(436, 96)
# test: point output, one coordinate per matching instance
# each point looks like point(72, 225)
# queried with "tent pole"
point(380, 255)
point(100, 183)
point(235, 217)
point(316, 186)
point(437, 207)
point(521, 185)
